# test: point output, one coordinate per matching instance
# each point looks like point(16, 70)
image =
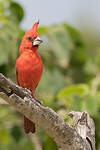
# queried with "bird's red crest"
point(33, 31)
point(35, 27)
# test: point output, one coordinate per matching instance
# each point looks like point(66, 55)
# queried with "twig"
point(35, 141)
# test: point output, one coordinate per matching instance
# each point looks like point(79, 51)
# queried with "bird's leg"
point(36, 98)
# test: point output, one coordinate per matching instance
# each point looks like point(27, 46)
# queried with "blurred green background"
point(70, 81)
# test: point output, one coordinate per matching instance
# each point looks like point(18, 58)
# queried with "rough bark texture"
point(79, 137)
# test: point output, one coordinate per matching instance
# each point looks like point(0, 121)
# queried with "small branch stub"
point(79, 137)
point(84, 126)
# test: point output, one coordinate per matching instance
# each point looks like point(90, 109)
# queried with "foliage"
point(71, 77)
point(10, 34)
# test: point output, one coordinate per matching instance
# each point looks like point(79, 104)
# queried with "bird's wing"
point(17, 76)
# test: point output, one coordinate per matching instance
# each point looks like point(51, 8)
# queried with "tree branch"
point(78, 137)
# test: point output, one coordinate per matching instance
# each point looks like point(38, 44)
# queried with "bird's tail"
point(29, 126)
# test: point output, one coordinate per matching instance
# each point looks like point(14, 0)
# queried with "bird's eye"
point(30, 39)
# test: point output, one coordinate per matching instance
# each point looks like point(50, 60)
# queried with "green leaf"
point(90, 104)
point(76, 103)
point(17, 10)
point(49, 144)
point(16, 133)
point(50, 78)
point(80, 90)
point(8, 41)
point(5, 137)
point(60, 43)
point(75, 36)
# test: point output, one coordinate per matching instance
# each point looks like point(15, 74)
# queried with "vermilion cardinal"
point(29, 67)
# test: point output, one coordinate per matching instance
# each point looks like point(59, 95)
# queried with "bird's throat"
point(34, 48)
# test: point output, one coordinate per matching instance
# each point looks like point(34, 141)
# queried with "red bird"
point(29, 67)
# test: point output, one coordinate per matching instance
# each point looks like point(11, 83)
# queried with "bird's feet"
point(38, 100)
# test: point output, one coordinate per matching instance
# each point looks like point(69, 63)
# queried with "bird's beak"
point(37, 41)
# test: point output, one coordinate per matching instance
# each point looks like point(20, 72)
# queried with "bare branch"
point(65, 136)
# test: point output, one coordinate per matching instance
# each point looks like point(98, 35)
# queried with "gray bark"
point(77, 137)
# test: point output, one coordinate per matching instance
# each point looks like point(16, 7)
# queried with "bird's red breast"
point(29, 69)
